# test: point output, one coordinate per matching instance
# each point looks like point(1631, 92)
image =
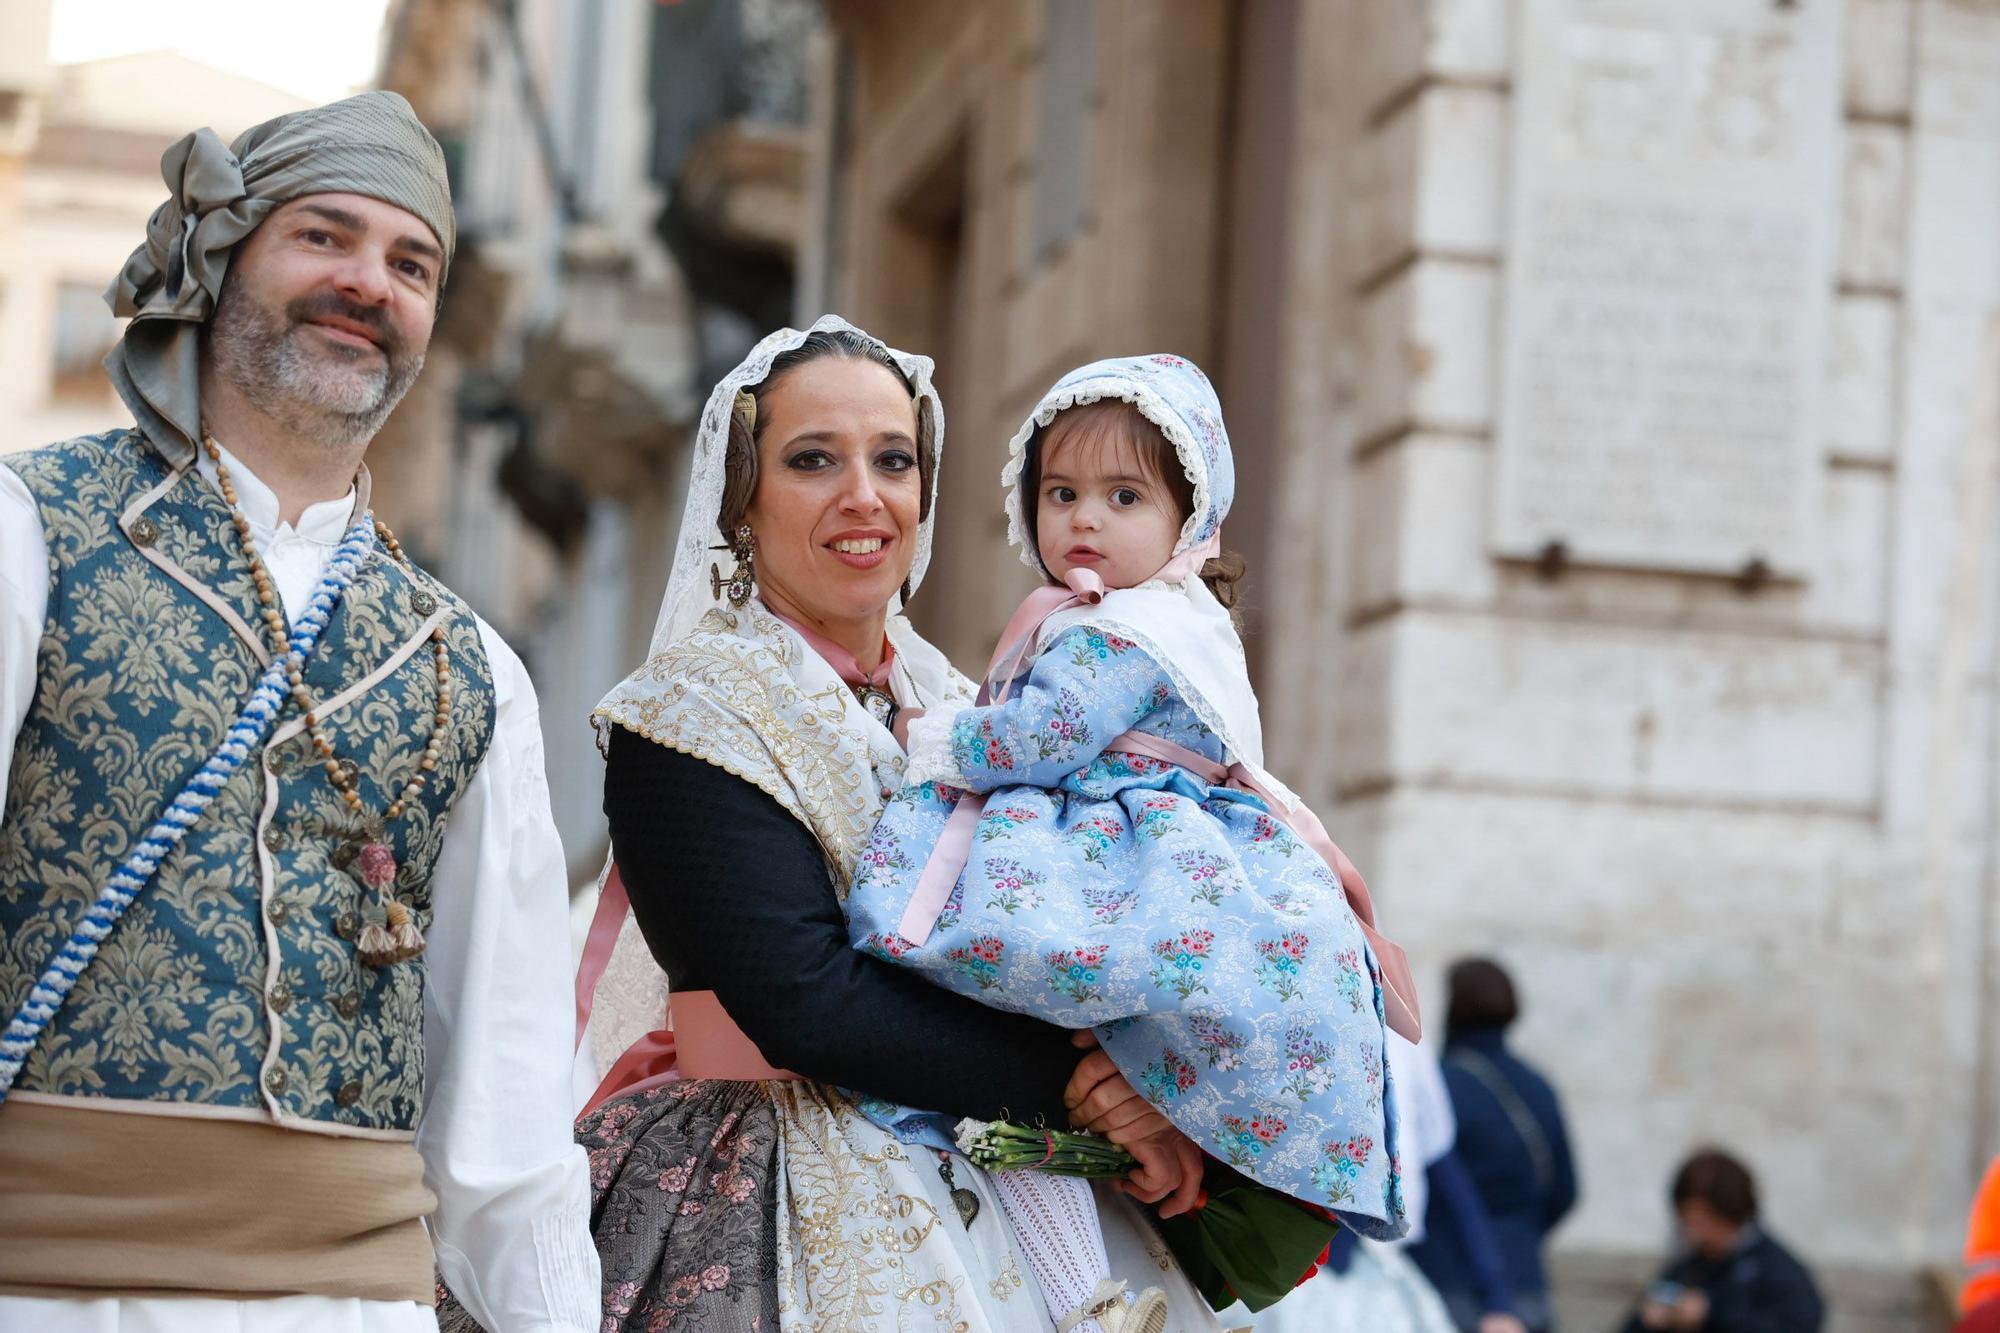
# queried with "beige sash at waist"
point(120, 1202)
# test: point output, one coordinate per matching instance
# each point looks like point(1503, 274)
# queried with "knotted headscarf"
point(371, 144)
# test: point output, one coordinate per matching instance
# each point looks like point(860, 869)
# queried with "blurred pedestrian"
point(1734, 1277)
point(1512, 1143)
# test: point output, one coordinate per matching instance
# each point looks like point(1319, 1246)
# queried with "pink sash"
point(699, 1041)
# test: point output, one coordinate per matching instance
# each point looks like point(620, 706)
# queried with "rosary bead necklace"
point(396, 938)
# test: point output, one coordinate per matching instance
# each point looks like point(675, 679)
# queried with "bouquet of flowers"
point(1242, 1241)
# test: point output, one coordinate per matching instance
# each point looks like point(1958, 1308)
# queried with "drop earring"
point(740, 581)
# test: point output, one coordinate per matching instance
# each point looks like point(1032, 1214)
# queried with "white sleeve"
point(512, 1226)
point(1428, 1122)
point(24, 605)
point(929, 748)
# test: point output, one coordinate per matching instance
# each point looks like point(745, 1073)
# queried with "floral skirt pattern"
point(681, 1186)
point(731, 1207)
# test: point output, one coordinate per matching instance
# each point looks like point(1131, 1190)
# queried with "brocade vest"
point(232, 987)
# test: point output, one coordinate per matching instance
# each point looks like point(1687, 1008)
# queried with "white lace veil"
point(679, 697)
point(689, 595)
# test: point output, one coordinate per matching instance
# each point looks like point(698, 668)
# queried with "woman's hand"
point(1102, 1101)
point(1170, 1165)
point(1098, 1096)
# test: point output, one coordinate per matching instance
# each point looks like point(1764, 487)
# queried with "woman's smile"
point(861, 550)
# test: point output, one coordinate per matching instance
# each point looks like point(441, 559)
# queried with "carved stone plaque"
point(1670, 268)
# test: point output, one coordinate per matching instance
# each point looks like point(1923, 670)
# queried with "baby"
point(1097, 843)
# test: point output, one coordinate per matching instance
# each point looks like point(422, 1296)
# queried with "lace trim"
point(1151, 406)
point(930, 750)
point(700, 749)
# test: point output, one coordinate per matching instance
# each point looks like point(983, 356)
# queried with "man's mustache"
point(329, 305)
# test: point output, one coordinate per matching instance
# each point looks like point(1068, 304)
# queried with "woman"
point(748, 760)
point(1512, 1141)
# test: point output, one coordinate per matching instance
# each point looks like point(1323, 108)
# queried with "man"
point(326, 1046)
point(1735, 1278)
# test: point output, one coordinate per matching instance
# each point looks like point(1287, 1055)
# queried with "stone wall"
point(1735, 842)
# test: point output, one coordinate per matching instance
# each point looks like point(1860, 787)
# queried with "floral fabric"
point(1214, 952)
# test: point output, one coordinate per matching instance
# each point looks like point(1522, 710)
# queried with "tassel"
point(408, 940)
point(376, 946)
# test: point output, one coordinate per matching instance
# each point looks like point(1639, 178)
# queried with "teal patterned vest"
point(232, 987)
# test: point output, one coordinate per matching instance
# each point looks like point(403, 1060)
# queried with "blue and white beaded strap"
point(243, 738)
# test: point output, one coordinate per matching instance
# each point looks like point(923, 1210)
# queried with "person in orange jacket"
point(1979, 1299)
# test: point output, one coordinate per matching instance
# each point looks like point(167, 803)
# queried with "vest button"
point(348, 1005)
point(274, 838)
point(422, 602)
point(278, 913)
point(349, 1094)
point(343, 855)
point(144, 531)
point(346, 924)
point(274, 760)
point(350, 771)
point(277, 1081)
point(280, 997)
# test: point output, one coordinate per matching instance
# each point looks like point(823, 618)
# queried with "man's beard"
point(324, 390)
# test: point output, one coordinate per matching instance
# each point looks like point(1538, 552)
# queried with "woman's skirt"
point(738, 1207)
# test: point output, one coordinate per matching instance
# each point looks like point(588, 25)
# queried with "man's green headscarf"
point(372, 145)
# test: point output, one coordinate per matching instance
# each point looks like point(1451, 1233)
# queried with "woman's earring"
point(740, 582)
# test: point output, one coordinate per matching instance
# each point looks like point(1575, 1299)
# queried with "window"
point(85, 330)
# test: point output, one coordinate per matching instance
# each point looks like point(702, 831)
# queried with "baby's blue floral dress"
point(1212, 950)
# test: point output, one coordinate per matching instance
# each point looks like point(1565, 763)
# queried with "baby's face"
point(1101, 508)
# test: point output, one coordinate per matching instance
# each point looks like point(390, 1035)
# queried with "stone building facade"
point(80, 147)
point(627, 177)
point(1616, 392)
